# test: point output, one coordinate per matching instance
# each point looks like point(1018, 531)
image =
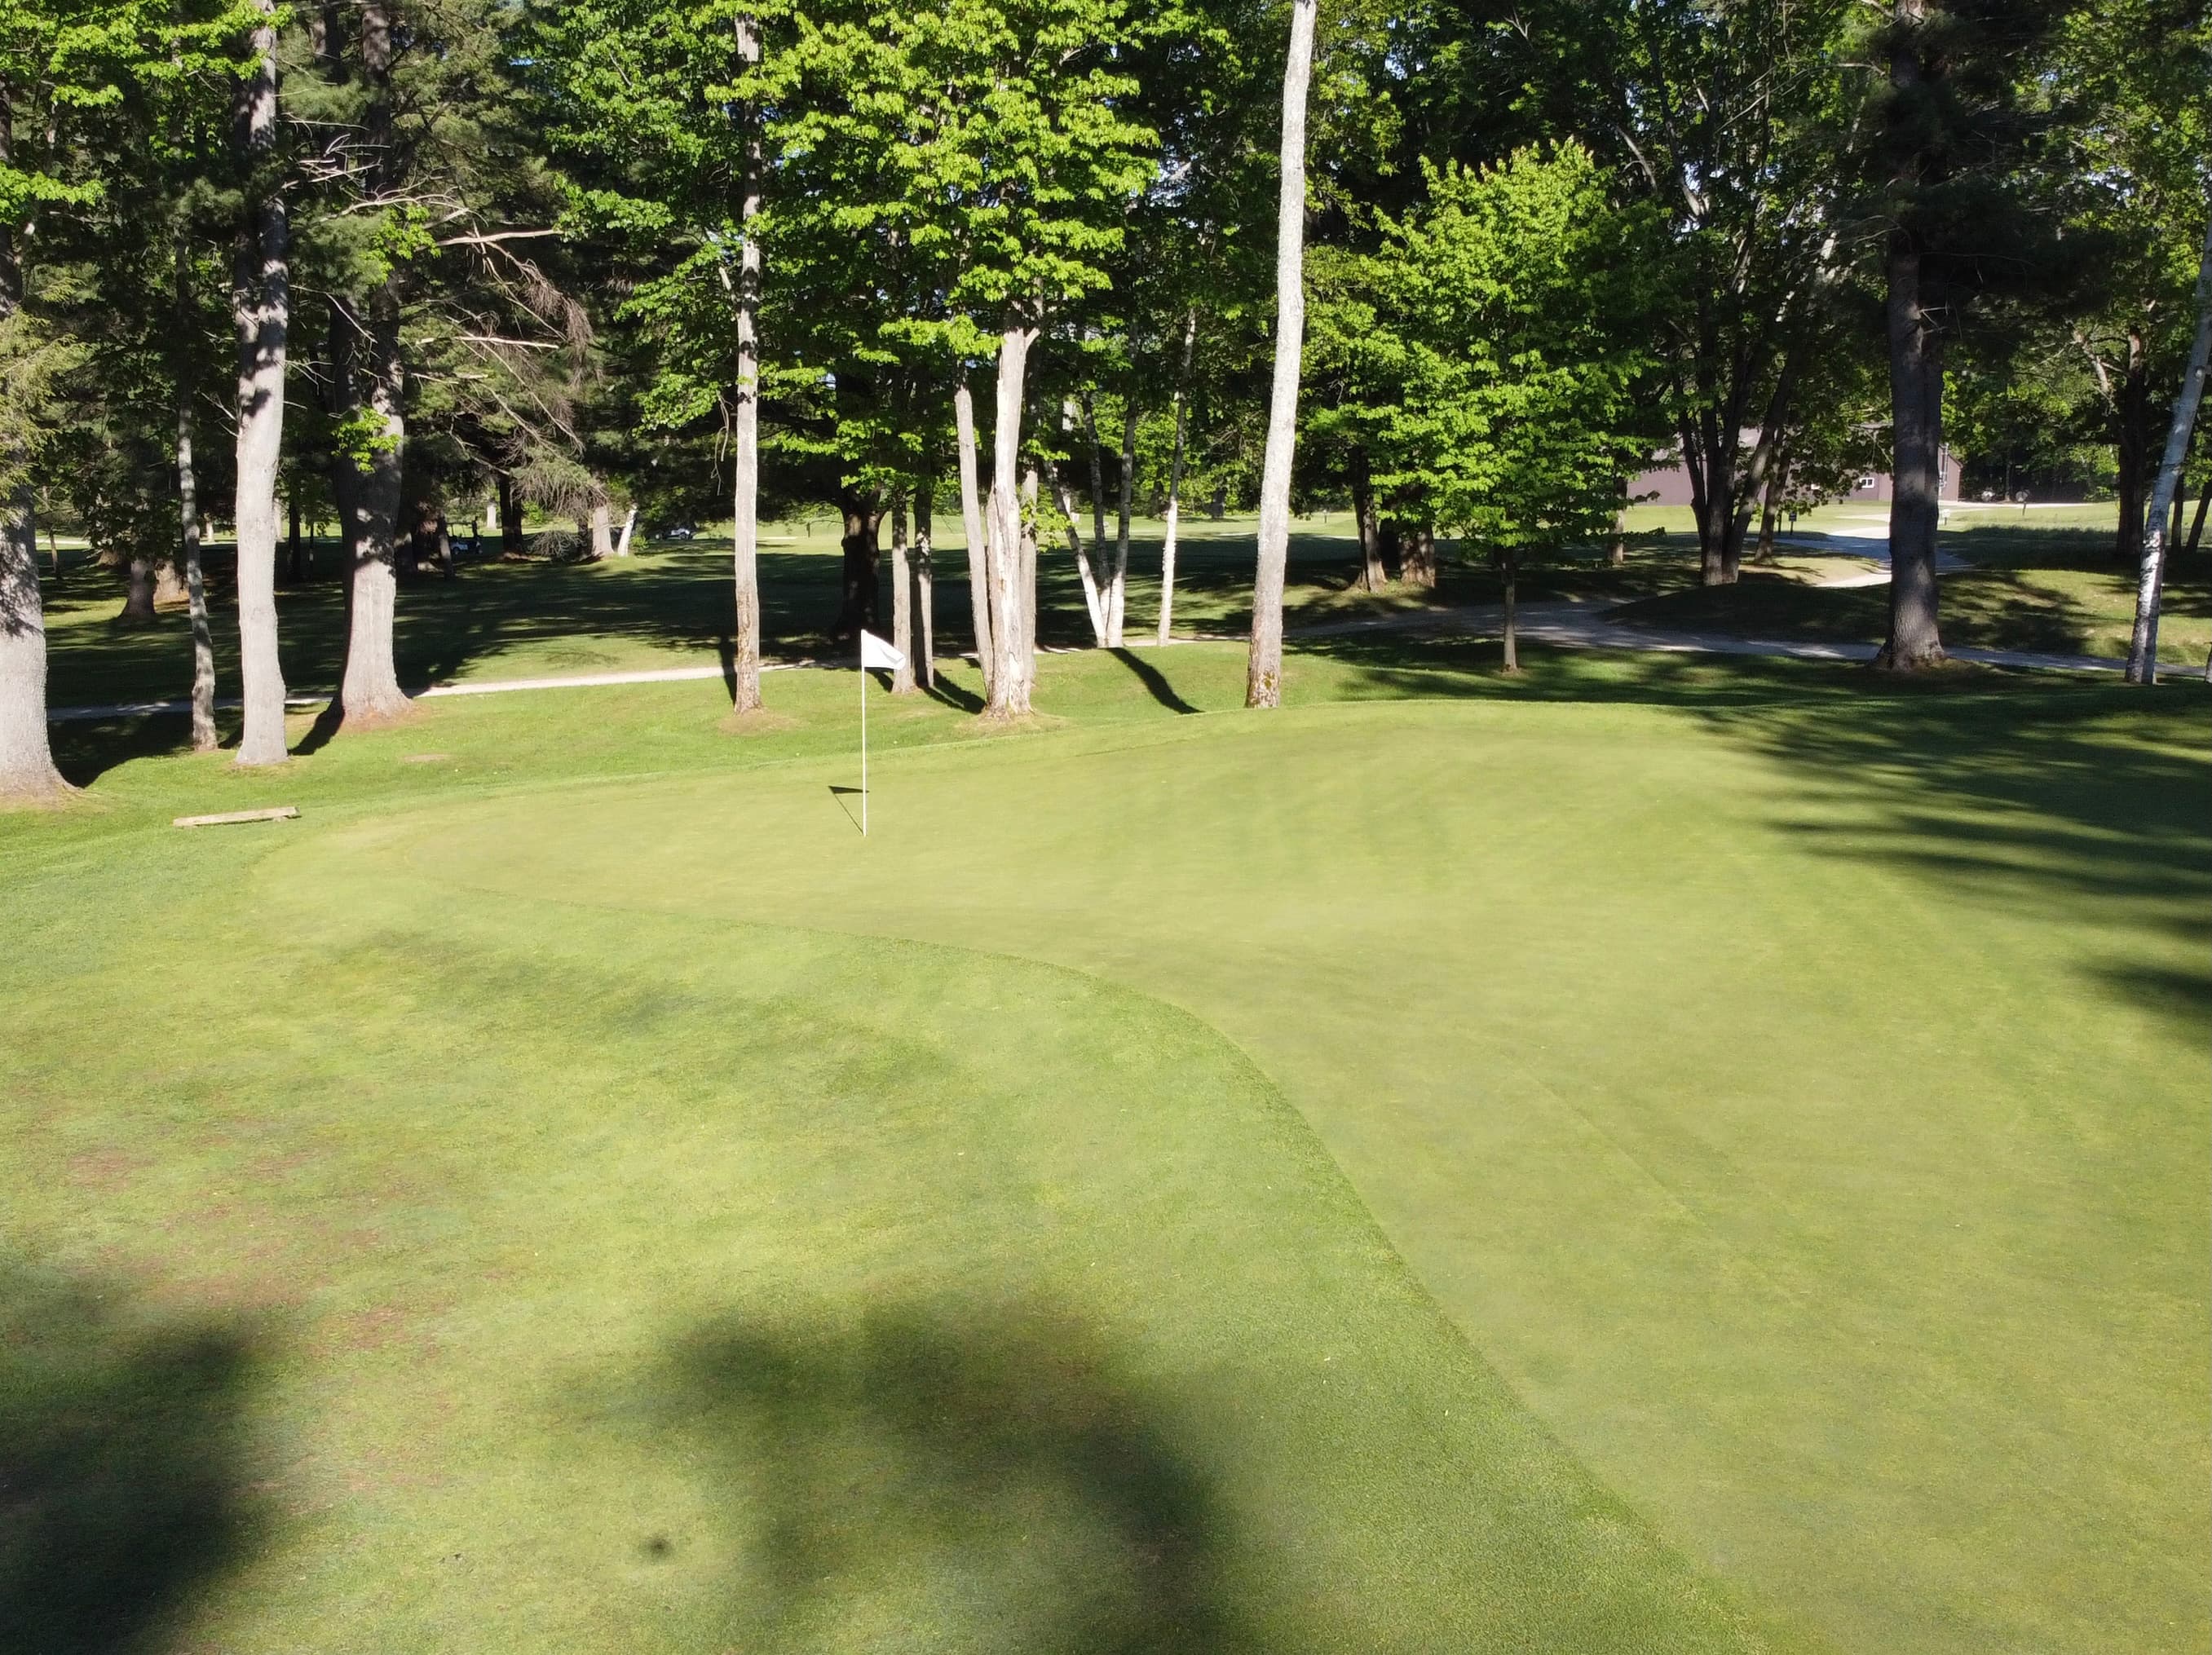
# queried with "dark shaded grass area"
point(988, 1446)
point(126, 1485)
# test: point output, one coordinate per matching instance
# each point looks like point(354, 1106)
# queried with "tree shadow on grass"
point(124, 1485)
point(87, 749)
point(1155, 683)
point(2088, 801)
point(985, 1477)
point(2028, 792)
point(951, 693)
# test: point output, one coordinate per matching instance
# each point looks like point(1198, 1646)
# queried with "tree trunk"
point(369, 693)
point(1097, 477)
point(1616, 550)
point(2131, 448)
point(27, 760)
point(188, 507)
point(1417, 557)
point(262, 310)
point(1916, 401)
point(622, 540)
point(1367, 525)
point(1029, 568)
point(1758, 494)
point(2195, 526)
point(901, 602)
point(603, 535)
point(296, 549)
point(1093, 599)
point(510, 519)
point(1508, 570)
point(1175, 478)
point(420, 544)
point(168, 583)
point(925, 514)
point(1117, 590)
point(345, 403)
point(1712, 497)
point(980, 594)
point(1263, 677)
point(744, 521)
point(1769, 504)
point(2142, 647)
point(862, 515)
point(137, 594)
point(1010, 622)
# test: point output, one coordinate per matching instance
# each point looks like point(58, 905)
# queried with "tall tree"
point(262, 312)
point(36, 90)
point(2133, 80)
point(1950, 153)
point(745, 520)
point(662, 113)
point(984, 154)
point(1263, 680)
point(1720, 114)
point(1517, 313)
point(2142, 648)
point(1173, 523)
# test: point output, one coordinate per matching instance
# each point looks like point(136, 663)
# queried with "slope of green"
point(561, 1218)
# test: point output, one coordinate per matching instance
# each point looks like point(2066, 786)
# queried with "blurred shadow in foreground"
point(980, 1480)
point(122, 1481)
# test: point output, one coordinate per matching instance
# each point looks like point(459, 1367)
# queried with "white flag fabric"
point(876, 653)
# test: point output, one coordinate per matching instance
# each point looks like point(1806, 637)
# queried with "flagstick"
point(864, 742)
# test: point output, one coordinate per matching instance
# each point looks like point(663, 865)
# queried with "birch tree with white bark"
point(2142, 645)
point(1263, 681)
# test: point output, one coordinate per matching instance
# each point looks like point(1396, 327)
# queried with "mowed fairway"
point(1424, 1175)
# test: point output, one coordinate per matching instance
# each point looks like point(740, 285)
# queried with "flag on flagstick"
point(876, 655)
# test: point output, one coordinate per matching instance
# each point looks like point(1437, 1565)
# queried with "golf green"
point(1397, 1176)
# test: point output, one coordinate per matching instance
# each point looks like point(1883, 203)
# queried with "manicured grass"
point(1656, 1153)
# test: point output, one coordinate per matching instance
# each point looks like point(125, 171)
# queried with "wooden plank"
point(281, 813)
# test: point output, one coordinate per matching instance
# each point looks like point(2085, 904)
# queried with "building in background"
point(1669, 484)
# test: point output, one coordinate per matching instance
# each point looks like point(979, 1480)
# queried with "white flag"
point(875, 653)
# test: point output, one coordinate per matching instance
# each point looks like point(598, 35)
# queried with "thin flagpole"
point(864, 741)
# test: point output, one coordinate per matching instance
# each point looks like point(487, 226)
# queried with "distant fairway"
point(634, 1212)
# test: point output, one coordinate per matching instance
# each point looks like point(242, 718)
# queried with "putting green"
point(1810, 1128)
point(452, 1267)
point(641, 1215)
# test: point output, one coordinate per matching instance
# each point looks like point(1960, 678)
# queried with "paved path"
point(472, 687)
point(1564, 622)
point(1872, 548)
